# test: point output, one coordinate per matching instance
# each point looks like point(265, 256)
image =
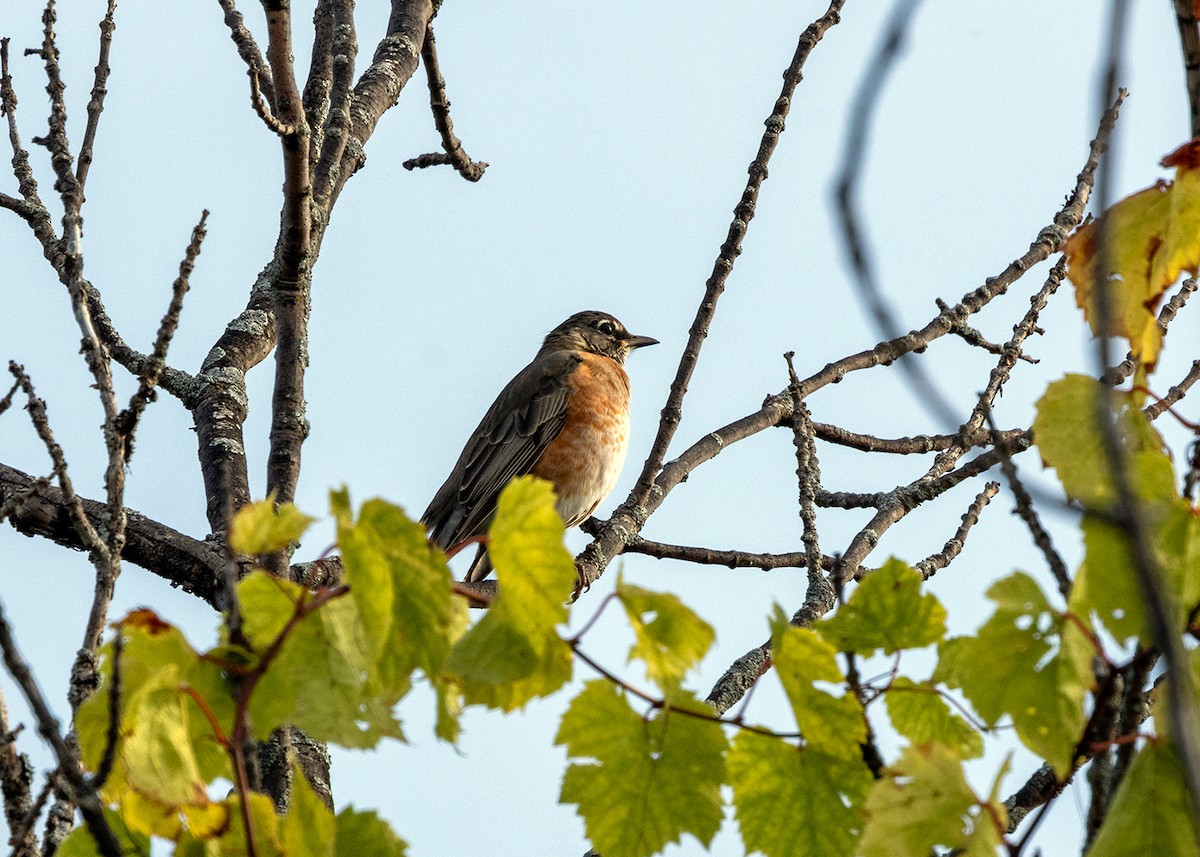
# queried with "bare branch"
point(68, 763)
point(247, 48)
point(193, 565)
point(16, 776)
point(263, 109)
point(452, 150)
point(1029, 515)
point(96, 104)
point(1189, 39)
point(86, 532)
point(883, 60)
point(331, 134)
point(291, 295)
point(931, 565)
point(127, 420)
point(730, 249)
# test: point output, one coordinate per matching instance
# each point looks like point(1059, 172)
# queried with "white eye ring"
point(606, 327)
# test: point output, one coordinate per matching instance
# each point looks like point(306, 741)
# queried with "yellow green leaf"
point(919, 713)
point(80, 843)
point(795, 801)
point(320, 678)
point(1029, 662)
point(1150, 813)
point(365, 834)
point(886, 611)
point(645, 781)
point(670, 638)
point(401, 587)
point(1069, 440)
point(1153, 236)
point(514, 653)
point(923, 801)
point(832, 724)
point(260, 528)
point(308, 828)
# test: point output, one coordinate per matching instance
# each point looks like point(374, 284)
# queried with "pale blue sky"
point(618, 136)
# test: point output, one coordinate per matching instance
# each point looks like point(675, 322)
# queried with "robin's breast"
point(584, 461)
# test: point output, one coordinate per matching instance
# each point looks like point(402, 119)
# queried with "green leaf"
point(886, 611)
point(168, 750)
point(514, 653)
point(923, 801)
point(308, 828)
point(260, 528)
point(652, 780)
point(1069, 440)
point(1028, 661)
point(365, 834)
point(832, 724)
point(320, 679)
point(670, 638)
point(919, 713)
point(795, 801)
point(1150, 813)
point(230, 840)
point(80, 843)
point(1107, 584)
point(401, 587)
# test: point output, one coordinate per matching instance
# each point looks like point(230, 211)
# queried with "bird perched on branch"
point(563, 418)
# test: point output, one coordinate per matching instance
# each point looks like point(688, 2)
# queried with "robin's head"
point(597, 332)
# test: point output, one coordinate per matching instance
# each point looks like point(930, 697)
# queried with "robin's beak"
point(639, 342)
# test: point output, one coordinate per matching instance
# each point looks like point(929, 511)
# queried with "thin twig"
point(730, 250)
point(37, 413)
point(452, 149)
point(1027, 513)
point(247, 48)
point(16, 775)
point(953, 547)
point(96, 104)
point(68, 763)
point(113, 733)
point(263, 109)
point(808, 475)
point(127, 420)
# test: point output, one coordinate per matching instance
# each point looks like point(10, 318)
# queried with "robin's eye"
point(606, 327)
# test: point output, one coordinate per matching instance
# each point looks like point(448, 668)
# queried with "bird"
point(563, 418)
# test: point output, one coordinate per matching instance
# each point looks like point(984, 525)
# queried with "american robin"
point(564, 418)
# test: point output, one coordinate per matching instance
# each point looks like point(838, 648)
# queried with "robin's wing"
point(528, 414)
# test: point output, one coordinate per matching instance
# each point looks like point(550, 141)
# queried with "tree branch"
point(452, 151)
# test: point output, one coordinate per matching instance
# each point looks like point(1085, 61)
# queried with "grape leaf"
point(1152, 236)
point(919, 713)
point(924, 800)
point(886, 611)
point(365, 834)
point(652, 780)
point(795, 801)
point(1028, 661)
point(1150, 813)
point(401, 587)
point(832, 724)
point(320, 678)
point(1069, 440)
point(514, 653)
point(670, 638)
point(260, 528)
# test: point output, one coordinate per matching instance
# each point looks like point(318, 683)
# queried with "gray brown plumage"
point(564, 417)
